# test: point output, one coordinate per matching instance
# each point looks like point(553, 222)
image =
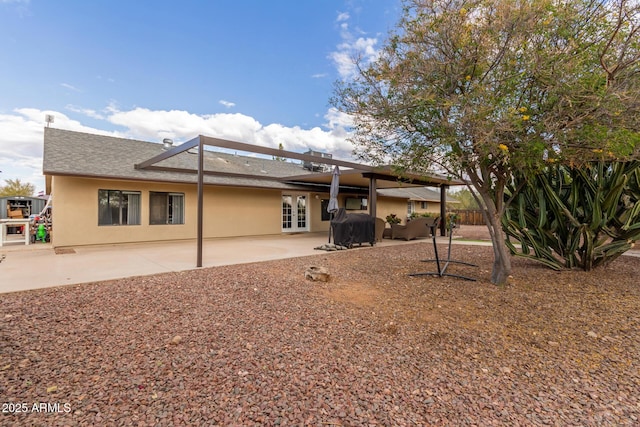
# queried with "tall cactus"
point(575, 217)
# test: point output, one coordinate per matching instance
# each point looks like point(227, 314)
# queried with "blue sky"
point(253, 71)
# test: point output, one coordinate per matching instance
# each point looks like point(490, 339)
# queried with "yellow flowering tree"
point(488, 90)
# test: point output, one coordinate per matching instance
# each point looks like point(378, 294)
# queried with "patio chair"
point(418, 227)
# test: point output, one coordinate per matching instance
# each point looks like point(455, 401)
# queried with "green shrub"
point(575, 217)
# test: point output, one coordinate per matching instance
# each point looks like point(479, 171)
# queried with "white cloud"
point(149, 125)
point(337, 120)
point(70, 87)
point(227, 104)
point(108, 79)
point(319, 75)
point(36, 118)
point(352, 49)
point(21, 133)
point(85, 111)
point(343, 16)
point(20, 140)
point(153, 125)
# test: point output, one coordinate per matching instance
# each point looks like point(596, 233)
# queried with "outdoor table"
point(12, 223)
point(443, 268)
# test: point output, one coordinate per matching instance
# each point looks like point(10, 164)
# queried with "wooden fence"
point(469, 217)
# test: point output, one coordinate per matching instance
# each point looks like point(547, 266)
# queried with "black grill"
point(349, 229)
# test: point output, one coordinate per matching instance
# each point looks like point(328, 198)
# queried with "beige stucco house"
point(419, 200)
point(106, 190)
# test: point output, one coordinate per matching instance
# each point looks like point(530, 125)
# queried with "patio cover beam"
point(415, 180)
point(215, 173)
point(379, 173)
point(241, 146)
point(169, 153)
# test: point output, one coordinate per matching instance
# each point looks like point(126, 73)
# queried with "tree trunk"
point(490, 187)
point(501, 255)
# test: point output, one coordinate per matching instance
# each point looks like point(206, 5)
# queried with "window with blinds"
point(117, 207)
point(166, 208)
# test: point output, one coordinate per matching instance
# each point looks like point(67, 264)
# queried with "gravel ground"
point(257, 344)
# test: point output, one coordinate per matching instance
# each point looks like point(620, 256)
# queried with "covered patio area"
point(353, 175)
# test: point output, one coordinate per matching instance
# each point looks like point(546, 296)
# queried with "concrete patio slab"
point(24, 267)
point(38, 265)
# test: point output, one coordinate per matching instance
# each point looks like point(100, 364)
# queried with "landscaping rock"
point(317, 274)
point(371, 346)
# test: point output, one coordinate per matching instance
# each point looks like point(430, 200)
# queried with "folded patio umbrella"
point(332, 208)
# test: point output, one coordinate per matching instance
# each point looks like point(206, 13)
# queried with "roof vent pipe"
point(167, 143)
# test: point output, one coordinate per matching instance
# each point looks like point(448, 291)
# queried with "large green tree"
point(466, 200)
point(487, 90)
point(15, 187)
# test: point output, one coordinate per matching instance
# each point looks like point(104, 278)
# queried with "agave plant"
point(575, 217)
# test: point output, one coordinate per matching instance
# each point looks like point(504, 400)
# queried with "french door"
point(294, 212)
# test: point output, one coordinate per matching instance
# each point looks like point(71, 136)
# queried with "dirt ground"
point(472, 232)
point(257, 344)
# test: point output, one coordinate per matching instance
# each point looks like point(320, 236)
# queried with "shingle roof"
point(83, 154)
